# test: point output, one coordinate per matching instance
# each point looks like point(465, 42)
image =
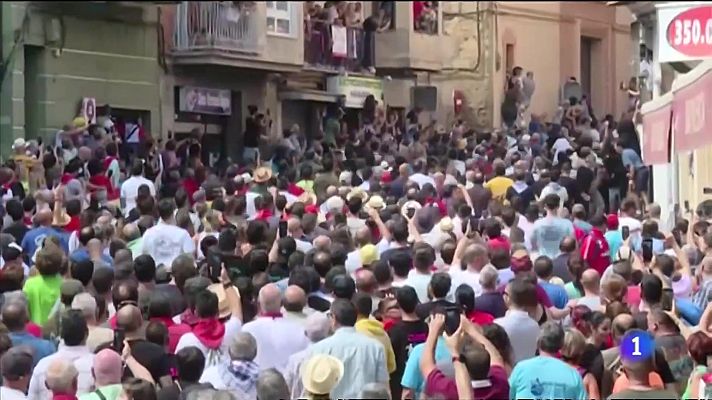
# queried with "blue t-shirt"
point(548, 233)
point(615, 241)
point(559, 382)
point(631, 159)
point(557, 294)
point(34, 237)
point(412, 378)
point(82, 254)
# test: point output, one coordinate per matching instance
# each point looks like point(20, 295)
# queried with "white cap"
point(19, 142)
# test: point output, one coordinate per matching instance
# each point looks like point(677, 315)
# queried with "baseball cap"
point(612, 221)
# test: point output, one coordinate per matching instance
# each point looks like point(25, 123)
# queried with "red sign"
point(690, 32)
point(656, 135)
point(458, 99)
point(692, 114)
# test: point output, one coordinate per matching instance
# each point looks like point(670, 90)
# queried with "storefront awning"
point(692, 108)
point(309, 95)
point(656, 130)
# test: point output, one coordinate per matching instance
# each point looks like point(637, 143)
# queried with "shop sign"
point(656, 135)
point(204, 100)
point(692, 114)
point(355, 89)
point(685, 32)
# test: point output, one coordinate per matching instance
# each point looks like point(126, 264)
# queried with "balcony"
point(233, 33)
point(214, 25)
point(335, 48)
point(411, 36)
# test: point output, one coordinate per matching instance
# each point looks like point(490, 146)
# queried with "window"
point(279, 18)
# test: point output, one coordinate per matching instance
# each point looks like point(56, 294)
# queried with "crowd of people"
point(393, 261)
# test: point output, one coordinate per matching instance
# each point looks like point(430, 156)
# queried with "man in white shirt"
point(16, 367)
point(294, 229)
point(211, 335)
point(277, 337)
point(419, 177)
point(475, 258)
point(129, 189)
point(627, 219)
point(73, 349)
point(165, 241)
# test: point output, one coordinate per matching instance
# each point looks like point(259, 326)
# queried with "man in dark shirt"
point(479, 194)
point(17, 228)
point(405, 334)
point(561, 262)
point(399, 235)
point(152, 356)
point(438, 290)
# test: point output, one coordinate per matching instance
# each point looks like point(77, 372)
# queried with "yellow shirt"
point(498, 186)
point(374, 329)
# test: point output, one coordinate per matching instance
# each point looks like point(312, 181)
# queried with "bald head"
point(322, 242)
point(363, 236)
point(294, 299)
point(129, 318)
point(270, 298)
point(61, 377)
point(621, 324)
point(44, 217)
point(131, 232)
point(107, 368)
point(366, 281)
point(590, 279)
point(84, 153)
point(331, 191)
point(294, 226)
point(14, 316)
point(123, 256)
point(567, 245)
point(403, 170)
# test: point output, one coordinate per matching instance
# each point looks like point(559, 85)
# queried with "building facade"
point(186, 65)
point(55, 54)
point(683, 172)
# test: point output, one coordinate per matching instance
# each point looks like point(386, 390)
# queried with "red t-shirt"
point(105, 182)
point(497, 387)
point(500, 242)
point(594, 249)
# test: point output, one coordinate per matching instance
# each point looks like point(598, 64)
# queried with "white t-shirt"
point(560, 145)
point(422, 179)
point(232, 327)
point(277, 339)
point(165, 242)
point(468, 277)
point(129, 191)
point(634, 226)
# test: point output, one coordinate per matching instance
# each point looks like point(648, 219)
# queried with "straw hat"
point(19, 142)
point(223, 304)
point(408, 205)
point(357, 192)
point(376, 203)
point(262, 175)
point(321, 374)
point(446, 225)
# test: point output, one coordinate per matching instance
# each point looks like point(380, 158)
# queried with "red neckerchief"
point(73, 225)
point(264, 214)
point(66, 178)
point(8, 185)
point(294, 190)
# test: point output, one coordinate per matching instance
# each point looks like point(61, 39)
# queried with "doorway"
point(586, 50)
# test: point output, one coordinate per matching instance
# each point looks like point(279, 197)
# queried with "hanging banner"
point(339, 47)
point(656, 133)
point(204, 100)
point(692, 108)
